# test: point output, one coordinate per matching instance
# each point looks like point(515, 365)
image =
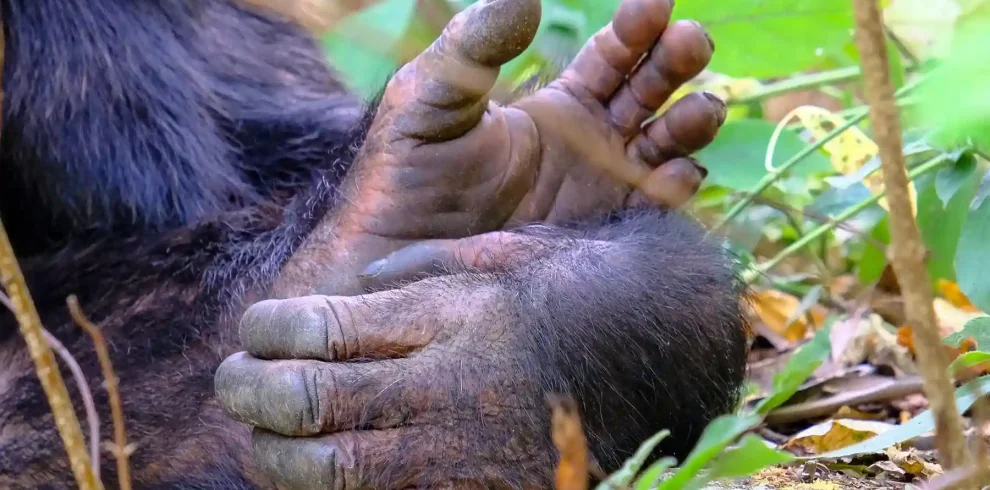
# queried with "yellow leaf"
point(849, 151)
point(835, 434)
point(775, 309)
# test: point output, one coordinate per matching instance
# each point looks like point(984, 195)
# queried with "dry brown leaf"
point(886, 468)
point(871, 342)
point(905, 338)
point(568, 437)
point(835, 434)
point(775, 308)
point(951, 318)
point(914, 462)
point(846, 412)
point(844, 286)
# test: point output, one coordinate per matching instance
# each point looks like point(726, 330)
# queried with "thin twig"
point(907, 246)
point(44, 363)
point(122, 450)
point(772, 177)
point(92, 418)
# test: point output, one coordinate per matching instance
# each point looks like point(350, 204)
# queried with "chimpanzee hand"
point(441, 383)
point(441, 161)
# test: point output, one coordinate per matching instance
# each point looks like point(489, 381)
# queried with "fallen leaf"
point(780, 313)
point(846, 412)
point(842, 333)
point(914, 462)
point(835, 434)
point(881, 467)
point(871, 342)
point(952, 318)
point(905, 338)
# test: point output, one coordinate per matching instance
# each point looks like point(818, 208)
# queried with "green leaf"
point(950, 179)
point(977, 328)
point(799, 367)
point(736, 158)
point(360, 46)
point(972, 256)
point(650, 477)
point(834, 201)
point(716, 437)
point(873, 261)
point(897, 70)
point(969, 359)
point(624, 477)
point(598, 13)
point(921, 423)
point(941, 225)
point(770, 38)
point(955, 100)
point(748, 457)
point(924, 26)
point(981, 192)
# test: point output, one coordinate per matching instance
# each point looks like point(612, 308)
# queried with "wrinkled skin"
point(440, 382)
point(441, 161)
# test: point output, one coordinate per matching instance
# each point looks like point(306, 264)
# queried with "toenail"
point(711, 42)
point(701, 168)
point(720, 109)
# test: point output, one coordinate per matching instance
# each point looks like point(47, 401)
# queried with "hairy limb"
point(444, 380)
point(442, 161)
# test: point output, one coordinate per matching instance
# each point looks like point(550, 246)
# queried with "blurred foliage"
point(817, 197)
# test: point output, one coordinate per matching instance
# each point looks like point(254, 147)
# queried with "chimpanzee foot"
point(442, 161)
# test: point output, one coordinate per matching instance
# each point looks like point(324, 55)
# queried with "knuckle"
point(341, 335)
point(300, 392)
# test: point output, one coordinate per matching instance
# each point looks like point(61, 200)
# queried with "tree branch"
point(908, 249)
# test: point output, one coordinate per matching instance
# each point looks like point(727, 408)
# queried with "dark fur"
point(162, 159)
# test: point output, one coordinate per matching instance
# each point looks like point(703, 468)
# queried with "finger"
point(304, 398)
point(670, 185)
point(443, 92)
point(689, 125)
point(394, 458)
point(612, 53)
point(486, 252)
point(337, 328)
point(683, 52)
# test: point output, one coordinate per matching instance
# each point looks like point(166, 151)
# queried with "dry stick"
point(45, 366)
point(122, 449)
point(908, 249)
point(92, 419)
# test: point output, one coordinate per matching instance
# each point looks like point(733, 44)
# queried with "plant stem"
point(121, 449)
point(908, 249)
point(772, 177)
point(800, 82)
point(925, 168)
